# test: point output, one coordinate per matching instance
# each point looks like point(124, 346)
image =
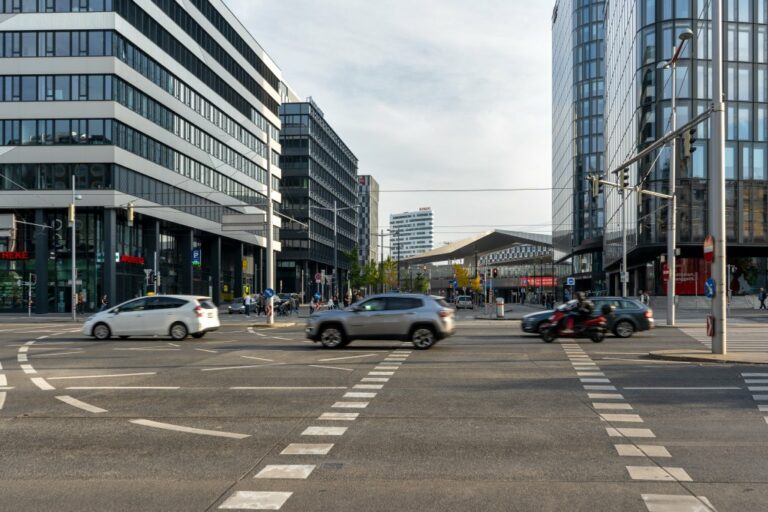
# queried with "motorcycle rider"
point(583, 310)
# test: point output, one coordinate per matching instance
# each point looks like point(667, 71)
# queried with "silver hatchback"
point(421, 319)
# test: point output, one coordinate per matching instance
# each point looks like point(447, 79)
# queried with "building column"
point(109, 283)
point(216, 269)
point(41, 264)
point(186, 238)
point(237, 290)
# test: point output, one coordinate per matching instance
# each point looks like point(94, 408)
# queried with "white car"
point(464, 301)
point(176, 316)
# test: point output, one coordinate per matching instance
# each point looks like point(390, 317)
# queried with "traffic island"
point(703, 356)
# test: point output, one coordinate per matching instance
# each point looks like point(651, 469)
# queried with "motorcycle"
point(594, 328)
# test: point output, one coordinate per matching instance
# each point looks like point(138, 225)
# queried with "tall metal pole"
point(717, 184)
point(74, 265)
point(334, 282)
point(270, 234)
point(397, 234)
point(624, 271)
point(672, 212)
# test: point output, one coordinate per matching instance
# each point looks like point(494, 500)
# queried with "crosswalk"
point(739, 340)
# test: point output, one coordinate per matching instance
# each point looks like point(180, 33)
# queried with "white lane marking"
point(762, 408)
point(260, 334)
point(605, 396)
point(685, 389)
point(339, 416)
point(23, 349)
point(348, 357)
point(188, 430)
point(104, 376)
point(374, 379)
point(283, 339)
point(84, 388)
point(381, 374)
point(332, 367)
point(149, 349)
point(590, 374)
point(8, 388)
point(350, 405)
point(601, 405)
point(642, 450)
point(594, 381)
point(756, 381)
point(368, 386)
point(3, 380)
point(253, 500)
point(759, 397)
point(239, 367)
point(630, 432)
point(258, 359)
point(677, 503)
point(600, 388)
point(2, 399)
point(53, 354)
point(754, 374)
point(324, 431)
point(757, 388)
point(661, 474)
point(206, 350)
point(286, 471)
point(353, 394)
point(386, 368)
point(392, 363)
point(43, 337)
point(173, 344)
point(27, 368)
point(284, 388)
point(74, 402)
point(23, 358)
point(306, 449)
point(622, 418)
point(41, 383)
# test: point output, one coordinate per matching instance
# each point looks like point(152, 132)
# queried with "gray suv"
point(421, 319)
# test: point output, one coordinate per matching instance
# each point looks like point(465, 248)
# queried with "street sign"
point(709, 249)
point(709, 288)
point(197, 257)
point(269, 292)
point(318, 278)
point(571, 281)
point(147, 271)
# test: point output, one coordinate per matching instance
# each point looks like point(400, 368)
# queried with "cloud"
point(428, 94)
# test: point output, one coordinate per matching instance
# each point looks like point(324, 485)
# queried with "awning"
point(484, 243)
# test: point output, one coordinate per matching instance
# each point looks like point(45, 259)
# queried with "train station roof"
point(481, 244)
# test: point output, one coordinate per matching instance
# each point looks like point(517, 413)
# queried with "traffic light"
point(689, 139)
point(595, 185)
point(71, 214)
point(625, 178)
point(130, 214)
point(495, 273)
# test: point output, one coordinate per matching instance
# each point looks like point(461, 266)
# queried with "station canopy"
point(484, 243)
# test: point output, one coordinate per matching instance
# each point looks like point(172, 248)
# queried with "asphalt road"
point(487, 420)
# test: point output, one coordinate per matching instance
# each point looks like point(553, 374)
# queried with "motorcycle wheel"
point(597, 336)
point(548, 335)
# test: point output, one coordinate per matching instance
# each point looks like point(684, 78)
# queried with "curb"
point(702, 356)
point(274, 326)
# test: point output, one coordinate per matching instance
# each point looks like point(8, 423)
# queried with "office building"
point(577, 139)
point(319, 174)
point(637, 112)
point(368, 219)
point(163, 111)
point(411, 233)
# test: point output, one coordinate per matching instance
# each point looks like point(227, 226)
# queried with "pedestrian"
point(260, 305)
point(247, 304)
point(80, 303)
point(761, 297)
point(104, 303)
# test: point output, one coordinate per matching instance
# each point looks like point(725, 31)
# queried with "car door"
point(128, 321)
point(369, 318)
point(401, 314)
point(160, 313)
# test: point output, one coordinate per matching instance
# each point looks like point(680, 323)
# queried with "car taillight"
point(199, 312)
point(649, 313)
point(444, 313)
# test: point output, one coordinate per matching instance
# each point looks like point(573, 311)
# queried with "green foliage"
point(421, 283)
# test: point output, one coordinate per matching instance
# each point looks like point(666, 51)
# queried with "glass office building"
point(168, 107)
point(640, 35)
point(577, 139)
point(368, 219)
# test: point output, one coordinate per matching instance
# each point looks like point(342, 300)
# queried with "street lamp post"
point(73, 270)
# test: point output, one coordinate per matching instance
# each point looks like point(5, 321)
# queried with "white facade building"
point(411, 233)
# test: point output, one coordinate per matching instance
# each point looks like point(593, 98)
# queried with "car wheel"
point(423, 337)
point(597, 336)
point(332, 337)
point(230, 312)
point(179, 331)
point(198, 335)
point(101, 332)
point(548, 335)
point(624, 329)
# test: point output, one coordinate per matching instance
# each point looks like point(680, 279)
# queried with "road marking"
point(43, 337)
point(252, 500)
point(629, 432)
point(676, 503)
point(605, 396)
point(286, 471)
point(149, 349)
point(74, 402)
point(348, 357)
point(756, 381)
point(84, 388)
point(601, 405)
point(759, 397)
point(283, 339)
point(655, 473)
point(259, 358)
point(41, 383)
point(324, 431)
point(368, 386)
point(102, 376)
point(53, 354)
point(382, 374)
point(3, 380)
point(350, 405)
point(754, 374)
point(599, 388)
point(173, 344)
point(2, 399)
point(206, 350)
point(762, 408)
point(374, 379)
point(622, 418)
point(22, 358)
point(239, 367)
point(24, 349)
point(332, 367)
point(307, 449)
point(27, 368)
point(595, 381)
point(392, 363)
point(643, 360)
point(285, 388)
point(188, 430)
point(385, 368)
point(641, 450)
point(340, 416)
point(353, 394)
point(590, 374)
point(684, 388)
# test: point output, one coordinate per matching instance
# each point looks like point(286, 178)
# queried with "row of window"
point(76, 43)
point(108, 131)
point(16, 6)
point(55, 88)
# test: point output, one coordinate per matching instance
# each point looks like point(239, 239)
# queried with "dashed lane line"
point(206, 350)
point(188, 430)
point(286, 471)
point(642, 450)
point(324, 431)
point(121, 388)
point(339, 416)
point(74, 402)
point(28, 369)
point(307, 449)
point(239, 367)
point(259, 359)
point(103, 376)
point(676, 503)
point(256, 500)
point(348, 357)
point(332, 367)
point(658, 473)
point(350, 405)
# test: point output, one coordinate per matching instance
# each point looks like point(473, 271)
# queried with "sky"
point(428, 94)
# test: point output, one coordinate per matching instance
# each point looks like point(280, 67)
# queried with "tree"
point(356, 271)
point(421, 283)
point(462, 276)
point(371, 274)
point(389, 273)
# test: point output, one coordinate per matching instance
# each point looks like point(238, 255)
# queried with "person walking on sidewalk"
point(761, 297)
point(247, 304)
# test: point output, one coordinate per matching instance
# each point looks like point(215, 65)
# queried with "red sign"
point(709, 249)
point(537, 281)
point(14, 255)
point(133, 260)
point(690, 275)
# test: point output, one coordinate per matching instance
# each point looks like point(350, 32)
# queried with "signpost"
point(197, 257)
point(571, 281)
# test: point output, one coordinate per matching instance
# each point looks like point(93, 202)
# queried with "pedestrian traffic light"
point(495, 273)
point(689, 139)
point(625, 178)
point(130, 214)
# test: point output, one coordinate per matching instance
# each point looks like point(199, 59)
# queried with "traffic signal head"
point(689, 139)
point(71, 214)
point(596, 185)
point(625, 178)
point(130, 214)
point(495, 272)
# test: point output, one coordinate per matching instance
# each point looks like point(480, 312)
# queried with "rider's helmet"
point(581, 296)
